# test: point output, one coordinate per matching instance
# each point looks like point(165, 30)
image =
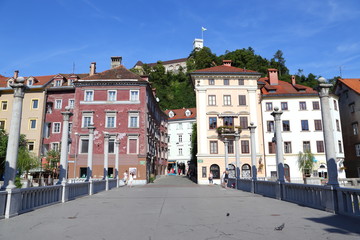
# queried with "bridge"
point(175, 208)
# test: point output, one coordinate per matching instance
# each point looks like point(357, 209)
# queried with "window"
point(134, 95)
point(70, 127)
point(228, 121)
point(286, 125)
point(337, 125)
point(335, 105)
point(245, 146)
point(304, 125)
point(242, 100)
point(133, 145)
point(227, 100)
point(112, 95)
point(357, 150)
point(355, 128)
point(272, 149)
point(269, 106)
point(306, 146)
point(84, 146)
point(55, 146)
point(34, 103)
point(87, 121)
point(56, 127)
point(287, 147)
point(244, 122)
point(2, 124)
point(180, 138)
point(226, 82)
point(32, 123)
point(31, 146)
point(318, 125)
point(57, 83)
point(110, 121)
point(211, 100)
point(320, 146)
point(58, 103)
point(284, 106)
point(89, 96)
point(231, 146)
point(4, 105)
point(111, 145)
point(302, 105)
point(316, 105)
point(340, 146)
point(203, 172)
point(180, 152)
point(29, 82)
point(213, 147)
point(352, 107)
point(71, 82)
point(241, 82)
point(71, 103)
point(212, 122)
point(211, 82)
point(270, 126)
point(133, 120)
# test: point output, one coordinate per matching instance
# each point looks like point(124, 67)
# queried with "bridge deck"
point(175, 208)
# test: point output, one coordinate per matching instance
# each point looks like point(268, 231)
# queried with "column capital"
point(67, 114)
point(252, 127)
point(106, 135)
point(19, 87)
point(117, 142)
point(91, 128)
point(276, 114)
point(324, 89)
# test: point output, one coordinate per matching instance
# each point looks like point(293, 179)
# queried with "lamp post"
point(328, 132)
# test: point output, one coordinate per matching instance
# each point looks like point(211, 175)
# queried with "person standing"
point(125, 177)
point(226, 179)
point(131, 179)
point(211, 176)
point(223, 179)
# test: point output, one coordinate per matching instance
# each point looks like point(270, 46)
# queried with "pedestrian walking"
point(223, 179)
point(125, 177)
point(211, 176)
point(226, 179)
point(131, 179)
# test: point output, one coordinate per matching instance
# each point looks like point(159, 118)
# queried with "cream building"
point(226, 96)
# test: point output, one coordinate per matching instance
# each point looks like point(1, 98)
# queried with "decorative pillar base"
point(13, 202)
point(106, 184)
point(65, 192)
point(253, 185)
point(279, 190)
point(91, 187)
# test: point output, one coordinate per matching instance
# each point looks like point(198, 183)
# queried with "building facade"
point(179, 133)
point(348, 91)
point(227, 98)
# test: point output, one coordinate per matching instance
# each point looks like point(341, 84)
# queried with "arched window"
point(215, 171)
point(232, 172)
point(287, 172)
point(246, 171)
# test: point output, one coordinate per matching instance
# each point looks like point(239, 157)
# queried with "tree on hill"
point(201, 59)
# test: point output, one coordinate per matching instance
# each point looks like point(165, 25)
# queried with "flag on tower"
point(203, 29)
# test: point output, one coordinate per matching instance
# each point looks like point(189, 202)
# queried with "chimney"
point(16, 74)
point(115, 61)
point(92, 68)
point(293, 80)
point(227, 63)
point(273, 76)
point(145, 77)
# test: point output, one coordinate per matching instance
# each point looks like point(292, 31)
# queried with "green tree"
point(201, 59)
point(3, 147)
point(52, 162)
point(306, 163)
point(26, 161)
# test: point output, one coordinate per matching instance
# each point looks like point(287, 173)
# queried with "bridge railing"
point(349, 201)
point(266, 188)
point(3, 196)
point(112, 183)
point(78, 189)
point(98, 186)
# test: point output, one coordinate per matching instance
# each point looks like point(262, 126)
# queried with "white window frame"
point(134, 98)
point(111, 98)
point(90, 97)
point(83, 125)
point(58, 104)
point(355, 128)
point(269, 106)
point(71, 103)
point(107, 117)
point(132, 115)
point(55, 148)
point(227, 100)
point(211, 100)
point(180, 152)
point(128, 144)
point(56, 127)
point(28, 145)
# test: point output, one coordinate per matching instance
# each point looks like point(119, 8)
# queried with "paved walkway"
point(175, 208)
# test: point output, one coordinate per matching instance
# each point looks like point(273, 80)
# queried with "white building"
point(179, 133)
point(302, 127)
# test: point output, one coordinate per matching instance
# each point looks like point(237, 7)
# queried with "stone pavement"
point(175, 208)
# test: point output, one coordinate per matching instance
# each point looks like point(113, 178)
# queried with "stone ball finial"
point(252, 124)
point(322, 80)
point(67, 108)
point(20, 80)
point(276, 109)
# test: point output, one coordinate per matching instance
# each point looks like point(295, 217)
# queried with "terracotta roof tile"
point(224, 69)
point(39, 80)
point(353, 83)
point(284, 88)
point(119, 72)
point(180, 113)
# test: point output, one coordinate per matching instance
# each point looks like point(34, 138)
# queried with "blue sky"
point(43, 37)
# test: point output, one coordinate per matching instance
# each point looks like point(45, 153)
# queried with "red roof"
point(224, 69)
point(180, 113)
point(119, 72)
point(39, 80)
point(353, 83)
point(284, 88)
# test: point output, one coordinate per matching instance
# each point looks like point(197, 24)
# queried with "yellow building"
point(227, 98)
point(33, 108)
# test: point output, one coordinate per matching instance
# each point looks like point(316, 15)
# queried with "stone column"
point(14, 134)
point(90, 152)
point(13, 202)
point(106, 159)
point(279, 146)
point(237, 155)
point(328, 132)
point(253, 156)
point(226, 143)
point(117, 144)
point(64, 146)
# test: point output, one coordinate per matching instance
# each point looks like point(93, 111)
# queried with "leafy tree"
point(26, 161)
point(3, 147)
point(52, 162)
point(306, 163)
point(201, 59)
